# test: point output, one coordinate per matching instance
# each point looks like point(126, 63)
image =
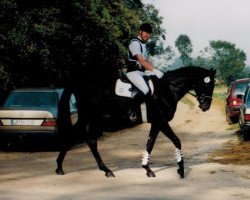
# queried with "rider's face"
point(145, 36)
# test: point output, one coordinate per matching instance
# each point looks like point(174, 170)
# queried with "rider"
point(138, 63)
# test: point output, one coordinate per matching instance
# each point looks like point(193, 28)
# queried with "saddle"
point(125, 88)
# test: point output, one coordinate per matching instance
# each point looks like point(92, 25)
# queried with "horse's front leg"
point(92, 143)
point(166, 130)
point(150, 144)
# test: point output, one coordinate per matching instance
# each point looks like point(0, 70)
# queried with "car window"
point(240, 88)
point(31, 99)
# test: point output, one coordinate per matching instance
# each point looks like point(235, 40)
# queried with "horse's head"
point(204, 89)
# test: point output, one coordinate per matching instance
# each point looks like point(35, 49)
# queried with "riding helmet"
point(146, 27)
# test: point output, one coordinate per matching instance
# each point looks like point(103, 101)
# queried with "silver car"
point(31, 113)
point(244, 118)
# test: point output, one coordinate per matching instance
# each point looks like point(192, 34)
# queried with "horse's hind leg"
point(92, 143)
point(166, 130)
point(150, 144)
point(59, 160)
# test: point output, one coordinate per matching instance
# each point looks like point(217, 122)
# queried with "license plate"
point(21, 122)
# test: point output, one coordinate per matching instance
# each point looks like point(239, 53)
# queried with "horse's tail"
point(88, 125)
point(64, 124)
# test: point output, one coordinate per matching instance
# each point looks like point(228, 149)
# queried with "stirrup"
point(133, 117)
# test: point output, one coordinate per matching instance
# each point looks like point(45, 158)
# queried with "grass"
point(232, 152)
point(219, 96)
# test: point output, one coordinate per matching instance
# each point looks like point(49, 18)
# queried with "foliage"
point(45, 43)
point(245, 72)
point(228, 59)
point(185, 47)
point(156, 46)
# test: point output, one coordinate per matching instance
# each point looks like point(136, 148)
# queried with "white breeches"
point(136, 77)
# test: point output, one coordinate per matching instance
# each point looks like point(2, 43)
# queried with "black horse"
point(170, 89)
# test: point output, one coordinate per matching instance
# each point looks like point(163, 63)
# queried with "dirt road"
point(29, 176)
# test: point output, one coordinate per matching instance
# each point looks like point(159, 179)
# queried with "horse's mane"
point(183, 73)
point(187, 71)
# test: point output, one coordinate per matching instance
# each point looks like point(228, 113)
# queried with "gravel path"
point(31, 176)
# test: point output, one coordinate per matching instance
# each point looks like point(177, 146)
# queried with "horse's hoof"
point(151, 174)
point(59, 172)
point(181, 173)
point(109, 174)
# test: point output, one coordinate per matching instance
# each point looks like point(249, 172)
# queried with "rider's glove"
point(158, 73)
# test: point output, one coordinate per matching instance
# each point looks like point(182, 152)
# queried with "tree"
point(156, 46)
point(184, 46)
point(246, 72)
point(42, 42)
point(229, 60)
point(151, 15)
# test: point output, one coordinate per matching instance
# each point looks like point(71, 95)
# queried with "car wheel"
point(240, 123)
point(232, 120)
point(229, 121)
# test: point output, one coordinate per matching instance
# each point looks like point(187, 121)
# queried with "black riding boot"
point(138, 99)
point(154, 112)
point(150, 100)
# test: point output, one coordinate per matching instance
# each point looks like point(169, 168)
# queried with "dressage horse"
point(169, 90)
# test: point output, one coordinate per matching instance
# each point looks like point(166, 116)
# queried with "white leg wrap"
point(178, 155)
point(145, 158)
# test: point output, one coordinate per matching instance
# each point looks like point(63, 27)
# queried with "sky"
point(206, 20)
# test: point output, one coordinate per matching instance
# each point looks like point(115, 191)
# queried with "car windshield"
point(240, 88)
point(32, 99)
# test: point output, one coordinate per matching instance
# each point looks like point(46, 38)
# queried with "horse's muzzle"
point(204, 107)
point(205, 102)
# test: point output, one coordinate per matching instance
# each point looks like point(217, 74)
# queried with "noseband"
point(203, 97)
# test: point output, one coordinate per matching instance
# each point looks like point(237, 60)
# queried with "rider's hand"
point(158, 73)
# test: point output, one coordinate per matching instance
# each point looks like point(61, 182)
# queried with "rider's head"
point(145, 31)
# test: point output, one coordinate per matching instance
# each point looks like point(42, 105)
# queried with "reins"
point(194, 95)
point(203, 96)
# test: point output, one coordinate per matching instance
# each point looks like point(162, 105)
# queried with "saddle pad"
point(123, 89)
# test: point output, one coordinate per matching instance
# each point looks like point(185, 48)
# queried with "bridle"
point(201, 98)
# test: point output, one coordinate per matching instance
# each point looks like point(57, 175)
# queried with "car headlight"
point(234, 103)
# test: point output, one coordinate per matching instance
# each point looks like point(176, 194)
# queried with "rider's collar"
point(139, 38)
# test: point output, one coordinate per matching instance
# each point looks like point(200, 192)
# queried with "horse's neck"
point(179, 86)
point(186, 87)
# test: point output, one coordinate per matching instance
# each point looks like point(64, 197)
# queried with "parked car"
point(244, 118)
point(233, 102)
point(30, 114)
